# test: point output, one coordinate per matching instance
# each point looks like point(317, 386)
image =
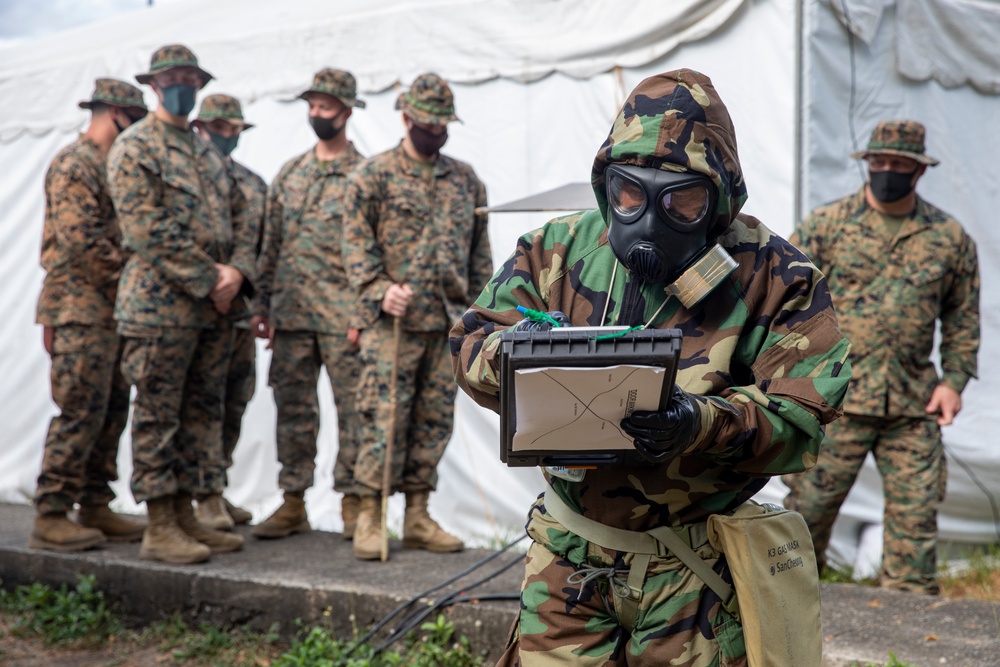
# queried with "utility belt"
point(771, 558)
point(677, 540)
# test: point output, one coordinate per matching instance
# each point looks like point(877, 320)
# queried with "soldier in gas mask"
point(762, 368)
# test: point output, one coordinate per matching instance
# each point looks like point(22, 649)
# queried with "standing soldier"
point(187, 224)
point(897, 267)
point(415, 249)
point(305, 303)
point(220, 121)
point(82, 258)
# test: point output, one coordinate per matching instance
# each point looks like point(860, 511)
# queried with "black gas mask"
point(659, 220)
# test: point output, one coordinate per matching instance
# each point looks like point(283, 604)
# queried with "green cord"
point(538, 316)
point(618, 334)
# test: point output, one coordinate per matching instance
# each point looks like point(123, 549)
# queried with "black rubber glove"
point(528, 324)
point(660, 436)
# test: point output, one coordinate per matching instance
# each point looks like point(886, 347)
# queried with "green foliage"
point(893, 662)
point(835, 575)
point(435, 647)
point(63, 615)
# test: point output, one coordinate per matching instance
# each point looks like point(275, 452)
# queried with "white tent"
point(537, 83)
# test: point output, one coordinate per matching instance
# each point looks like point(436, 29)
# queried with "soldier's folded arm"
point(152, 230)
point(79, 224)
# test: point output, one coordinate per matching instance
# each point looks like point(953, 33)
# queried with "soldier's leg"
point(199, 433)
point(340, 358)
point(910, 458)
point(83, 362)
point(375, 412)
point(155, 360)
point(374, 408)
point(818, 493)
point(433, 414)
point(102, 466)
point(241, 381)
point(560, 624)
point(295, 364)
point(293, 375)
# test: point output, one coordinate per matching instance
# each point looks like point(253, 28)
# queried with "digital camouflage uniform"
point(241, 377)
point(412, 223)
point(764, 346)
point(181, 213)
point(82, 258)
point(309, 303)
point(889, 290)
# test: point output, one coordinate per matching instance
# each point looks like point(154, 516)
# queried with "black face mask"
point(324, 127)
point(425, 142)
point(226, 145)
point(118, 126)
point(890, 186)
point(659, 220)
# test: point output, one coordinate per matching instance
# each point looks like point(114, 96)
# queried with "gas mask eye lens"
point(686, 206)
point(627, 197)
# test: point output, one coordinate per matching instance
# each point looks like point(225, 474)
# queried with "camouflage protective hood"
point(676, 121)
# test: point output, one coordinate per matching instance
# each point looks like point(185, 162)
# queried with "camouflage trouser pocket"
point(136, 352)
point(729, 635)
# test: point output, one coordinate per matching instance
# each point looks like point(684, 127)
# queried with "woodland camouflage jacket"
point(763, 347)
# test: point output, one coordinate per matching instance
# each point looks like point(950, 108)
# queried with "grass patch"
point(844, 575)
point(81, 615)
point(893, 662)
point(65, 621)
point(977, 579)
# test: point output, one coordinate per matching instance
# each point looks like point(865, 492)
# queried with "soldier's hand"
point(397, 299)
point(260, 326)
point(528, 324)
point(944, 401)
point(354, 337)
point(227, 286)
point(660, 436)
point(47, 332)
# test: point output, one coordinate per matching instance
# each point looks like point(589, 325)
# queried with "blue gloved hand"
point(662, 435)
point(530, 324)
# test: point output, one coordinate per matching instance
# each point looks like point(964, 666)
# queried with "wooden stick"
point(390, 436)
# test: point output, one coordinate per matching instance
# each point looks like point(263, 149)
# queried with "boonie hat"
point(337, 82)
point(115, 93)
point(225, 107)
point(429, 100)
point(898, 137)
point(169, 57)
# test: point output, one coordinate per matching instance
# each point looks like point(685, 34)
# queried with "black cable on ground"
point(982, 487)
point(416, 598)
point(415, 619)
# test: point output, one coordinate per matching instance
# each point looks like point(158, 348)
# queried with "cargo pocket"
point(138, 347)
point(729, 635)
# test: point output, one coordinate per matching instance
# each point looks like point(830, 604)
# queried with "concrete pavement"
point(315, 578)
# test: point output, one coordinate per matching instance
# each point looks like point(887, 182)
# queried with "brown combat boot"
point(350, 505)
point(368, 535)
point(240, 516)
point(165, 541)
point(288, 519)
point(115, 527)
point(420, 531)
point(216, 540)
point(53, 531)
point(211, 512)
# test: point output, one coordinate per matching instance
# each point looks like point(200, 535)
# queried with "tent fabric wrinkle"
point(382, 42)
point(953, 42)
